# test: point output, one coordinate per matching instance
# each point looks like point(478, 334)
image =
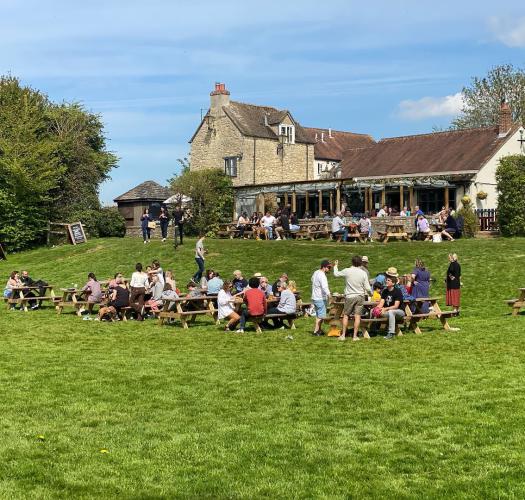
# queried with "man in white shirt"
point(320, 295)
point(357, 287)
point(383, 211)
point(339, 228)
point(267, 223)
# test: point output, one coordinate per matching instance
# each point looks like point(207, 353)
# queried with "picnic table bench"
point(518, 303)
point(394, 230)
point(177, 309)
point(25, 294)
point(230, 230)
point(411, 319)
point(74, 298)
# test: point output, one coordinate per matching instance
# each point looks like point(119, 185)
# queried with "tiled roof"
point(149, 190)
point(441, 152)
point(330, 144)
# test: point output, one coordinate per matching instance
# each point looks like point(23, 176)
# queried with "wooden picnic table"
point(394, 230)
point(411, 319)
point(72, 297)
point(24, 294)
point(184, 307)
point(518, 303)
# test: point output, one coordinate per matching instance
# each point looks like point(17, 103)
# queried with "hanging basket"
point(466, 200)
point(481, 195)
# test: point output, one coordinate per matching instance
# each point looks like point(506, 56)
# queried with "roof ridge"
point(259, 106)
point(338, 131)
point(440, 132)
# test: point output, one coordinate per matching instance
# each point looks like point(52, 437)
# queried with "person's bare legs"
point(318, 324)
point(344, 327)
point(447, 235)
point(233, 320)
point(357, 322)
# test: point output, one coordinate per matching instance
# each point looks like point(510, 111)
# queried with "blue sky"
point(385, 68)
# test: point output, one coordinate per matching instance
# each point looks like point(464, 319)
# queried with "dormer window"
point(288, 133)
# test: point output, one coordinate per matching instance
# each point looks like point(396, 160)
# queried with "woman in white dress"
point(225, 306)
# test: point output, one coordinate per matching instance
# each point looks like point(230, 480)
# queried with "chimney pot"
point(218, 98)
point(322, 136)
point(330, 133)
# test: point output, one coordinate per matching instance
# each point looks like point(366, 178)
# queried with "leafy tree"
point(510, 178)
point(211, 194)
point(482, 99)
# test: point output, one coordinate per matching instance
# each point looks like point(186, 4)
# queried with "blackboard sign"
point(76, 233)
point(2, 253)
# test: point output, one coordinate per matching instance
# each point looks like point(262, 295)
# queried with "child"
point(376, 292)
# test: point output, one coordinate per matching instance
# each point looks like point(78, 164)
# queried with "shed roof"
point(147, 191)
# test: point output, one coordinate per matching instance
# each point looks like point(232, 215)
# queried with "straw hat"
point(392, 272)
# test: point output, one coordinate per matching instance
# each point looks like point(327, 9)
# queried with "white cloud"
point(431, 107)
point(509, 31)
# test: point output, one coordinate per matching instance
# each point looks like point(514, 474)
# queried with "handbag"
point(152, 225)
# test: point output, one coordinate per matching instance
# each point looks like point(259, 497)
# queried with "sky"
point(147, 68)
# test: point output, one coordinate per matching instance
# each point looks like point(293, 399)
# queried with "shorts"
point(320, 308)
point(354, 305)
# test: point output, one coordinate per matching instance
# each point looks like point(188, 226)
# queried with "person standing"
point(320, 296)
point(453, 282)
point(391, 303)
point(421, 283)
point(164, 220)
point(144, 223)
point(357, 287)
point(199, 258)
point(178, 223)
point(138, 285)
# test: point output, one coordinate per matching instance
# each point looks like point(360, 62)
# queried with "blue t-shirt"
point(215, 285)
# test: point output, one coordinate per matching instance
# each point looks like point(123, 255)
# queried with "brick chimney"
point(505, 119)
point(218, 98)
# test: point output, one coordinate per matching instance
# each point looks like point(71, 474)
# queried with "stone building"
point(132, 203)
point(265, 150)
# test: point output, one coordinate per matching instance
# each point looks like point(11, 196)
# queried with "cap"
point(364, 258)
point(257, 275)
point(326, 263)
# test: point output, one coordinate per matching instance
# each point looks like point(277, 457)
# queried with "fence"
point(488, 219)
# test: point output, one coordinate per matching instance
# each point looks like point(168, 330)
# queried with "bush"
point(470, 220)
point(103, 223)
point(510, 178)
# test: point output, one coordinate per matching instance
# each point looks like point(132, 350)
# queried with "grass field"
point(204, 414)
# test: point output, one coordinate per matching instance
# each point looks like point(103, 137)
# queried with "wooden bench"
point(205, 307)
point(23, 298)
point(518, 303)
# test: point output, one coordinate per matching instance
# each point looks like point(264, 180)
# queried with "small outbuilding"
point(132, 203)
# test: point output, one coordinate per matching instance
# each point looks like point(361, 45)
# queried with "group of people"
point(386, 289)
point(268, 226)
point(31, 288)
point(179, 217)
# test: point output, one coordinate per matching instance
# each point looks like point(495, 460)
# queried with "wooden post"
point(371, 202)
point(383, 197)
point(401, 198)
point(338, 198)
point(320, 195)
point(294, 202)
point(307, 202)
point(285, 199)
point(332, 202)
point(411, 199)
point(446, 197)
point(367, 208)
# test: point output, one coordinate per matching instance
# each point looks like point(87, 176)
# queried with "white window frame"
point(231, 166)
point(288, 131)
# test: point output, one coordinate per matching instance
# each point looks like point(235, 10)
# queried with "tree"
point(510, 178)
point(211, 194)
point(482, 100)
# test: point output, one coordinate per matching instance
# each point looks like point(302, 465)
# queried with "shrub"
point(470, 219)
point(510, 178)
point(111, 223)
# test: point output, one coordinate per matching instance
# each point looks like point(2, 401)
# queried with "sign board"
point(2, 253)
point(76, 233)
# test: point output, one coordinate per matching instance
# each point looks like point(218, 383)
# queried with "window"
point(288, 132)
point(230, 166)
point(319, 168)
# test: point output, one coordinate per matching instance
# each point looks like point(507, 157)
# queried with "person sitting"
point(451, 227)
point(113, 282)
point(264, 285)
point(255, 222)
point(210, 273)
point(169, 294)
point(325, 215)
point(275, 290)
point(241, 224)
point(12, 282)
point(267, 222)
point(214, 285)
point(294, 223)
point(287, 304)
point(30, 282)
point(283, 225)
point(383, 211)
point(391, 303)
point(255, 303)
point(156, 269)
point(170, 279)
point(238, 283)
point(339, 228)
point(307, 214)
point(292, 286)
point(377, 288)
point(404, 212)
point(225, 308)
point(423, 228)
point(156, 289)
point(119, 296)
point(442, 215)
point(94, 291)
point(365, 227)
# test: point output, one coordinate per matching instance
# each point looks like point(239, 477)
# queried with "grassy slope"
point(206, 414)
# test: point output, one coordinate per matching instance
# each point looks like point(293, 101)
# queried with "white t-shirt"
point(268, 221)
point(139, 280)
point(337, 224)
point(225, 307)
point(381, 213)
point(199, 249)
point(320, 290)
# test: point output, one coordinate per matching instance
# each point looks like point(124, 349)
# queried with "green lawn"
point(200, 413)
